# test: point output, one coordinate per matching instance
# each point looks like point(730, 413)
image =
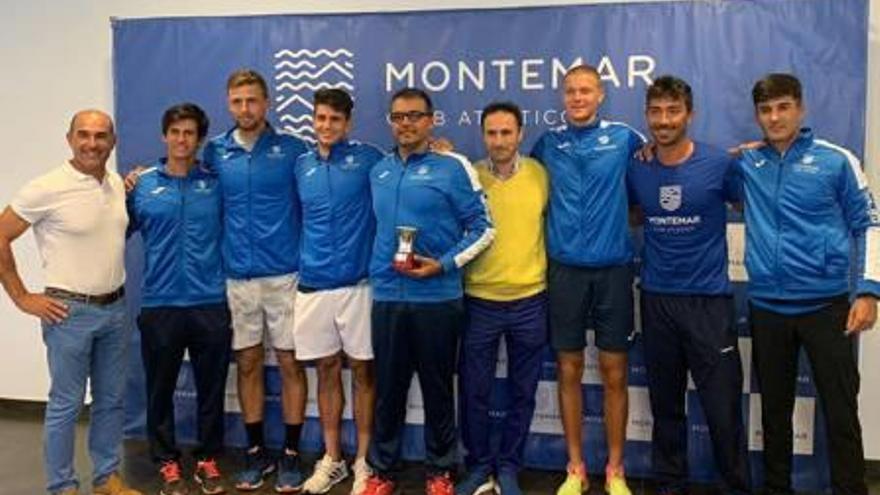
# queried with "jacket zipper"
point(333, 230)
point(777, 195)
point(250, 219)
point(403, 166)
point(181, 187)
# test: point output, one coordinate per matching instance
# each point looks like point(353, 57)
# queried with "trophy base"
point(404, 262)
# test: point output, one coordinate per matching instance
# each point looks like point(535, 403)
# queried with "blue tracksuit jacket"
point(337, 214)
point(438, 194)
point(261, 223)
point(179, 219)
point(804, 212)
point(587, 223)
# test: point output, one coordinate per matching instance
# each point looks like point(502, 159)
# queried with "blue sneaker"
point(478, 481)
point(257, 465)
point(290, 478)
point(508, 484)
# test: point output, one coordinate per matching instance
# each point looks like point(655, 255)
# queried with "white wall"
point(869, 352)
point(56, 57)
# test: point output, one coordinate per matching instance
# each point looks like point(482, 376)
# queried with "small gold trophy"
point(404, 258)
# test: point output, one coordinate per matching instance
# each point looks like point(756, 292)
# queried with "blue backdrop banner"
point(466, 59)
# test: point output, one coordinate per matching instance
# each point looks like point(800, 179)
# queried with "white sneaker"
point(362, 472)
point(326, 474)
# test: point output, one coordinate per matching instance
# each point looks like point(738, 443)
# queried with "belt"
point(99, 299)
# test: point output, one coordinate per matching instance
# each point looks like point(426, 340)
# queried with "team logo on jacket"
point(604, 143)
point(275, 152)
point(301, 72)
point(807, 165)
point(422, 173)
point(201, 186)
point(670, 197)
point(349, 163)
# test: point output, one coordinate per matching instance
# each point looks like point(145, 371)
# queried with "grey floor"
point(21, 463)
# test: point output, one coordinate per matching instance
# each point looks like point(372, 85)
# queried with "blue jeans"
point(90, 345)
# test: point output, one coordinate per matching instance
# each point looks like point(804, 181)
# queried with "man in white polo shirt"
point(78, 215)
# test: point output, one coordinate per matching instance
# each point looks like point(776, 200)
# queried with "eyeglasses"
point(411, 116)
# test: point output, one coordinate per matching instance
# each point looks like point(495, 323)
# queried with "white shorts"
point(258, 301)
point(327, 321)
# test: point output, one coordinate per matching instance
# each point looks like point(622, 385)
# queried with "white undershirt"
point(248, 145)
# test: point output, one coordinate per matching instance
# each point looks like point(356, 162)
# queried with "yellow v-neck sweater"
point(515, 265)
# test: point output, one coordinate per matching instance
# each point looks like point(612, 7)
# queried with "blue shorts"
point(584, 298)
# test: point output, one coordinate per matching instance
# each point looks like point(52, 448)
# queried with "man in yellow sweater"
point(505, 290)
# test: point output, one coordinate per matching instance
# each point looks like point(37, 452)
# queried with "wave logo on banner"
point(298, 74)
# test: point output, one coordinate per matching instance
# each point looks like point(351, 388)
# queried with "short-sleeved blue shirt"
point(685, 215)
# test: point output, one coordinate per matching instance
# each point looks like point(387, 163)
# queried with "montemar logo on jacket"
point(202, 186)
point(605, 143)
point(807, 165)
point(276, 152)
point(350, 163)
point(423, 172)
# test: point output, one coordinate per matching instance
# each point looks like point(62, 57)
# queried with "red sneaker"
point(208, 477)
point(376, 485)
point(440, 484)
point(172, 484)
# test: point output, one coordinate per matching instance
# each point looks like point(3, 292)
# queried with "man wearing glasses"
point(431, 220)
